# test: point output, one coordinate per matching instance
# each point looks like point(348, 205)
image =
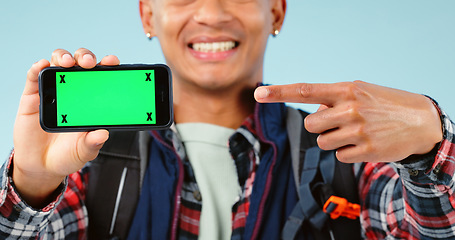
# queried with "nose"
point(212, 12)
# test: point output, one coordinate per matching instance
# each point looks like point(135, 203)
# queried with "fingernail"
point(87, 57)
point(67, 57)
point(262, 92)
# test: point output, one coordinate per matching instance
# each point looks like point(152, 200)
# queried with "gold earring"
point(275, 32)
point(149, 36)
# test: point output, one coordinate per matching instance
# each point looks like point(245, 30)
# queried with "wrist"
point(433, 129)
point(37, 189)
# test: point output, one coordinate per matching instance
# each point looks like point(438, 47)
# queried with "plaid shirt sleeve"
point(411, 199)
point(63, 218)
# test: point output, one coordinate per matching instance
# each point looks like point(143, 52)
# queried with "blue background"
point(406, 44)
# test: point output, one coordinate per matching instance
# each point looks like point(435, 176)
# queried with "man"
point(215, 49)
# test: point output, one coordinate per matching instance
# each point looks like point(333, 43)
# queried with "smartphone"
point(123, 97)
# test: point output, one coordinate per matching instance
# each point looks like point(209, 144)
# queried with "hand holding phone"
point(131, 97)
point(42, 159)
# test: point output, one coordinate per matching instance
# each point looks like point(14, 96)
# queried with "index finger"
point(313, 93)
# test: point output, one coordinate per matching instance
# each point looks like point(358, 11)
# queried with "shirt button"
point(413, 172)
point(437, 169)
point(17, 208)
point(197, 195)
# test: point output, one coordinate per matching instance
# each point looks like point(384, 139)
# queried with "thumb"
point(92, 142)
point(322, 107)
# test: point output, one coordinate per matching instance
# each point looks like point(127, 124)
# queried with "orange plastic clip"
point(337, 206)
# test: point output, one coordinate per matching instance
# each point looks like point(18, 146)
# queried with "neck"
point(228, 107)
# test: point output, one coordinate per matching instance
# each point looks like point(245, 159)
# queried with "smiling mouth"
point(213, 47)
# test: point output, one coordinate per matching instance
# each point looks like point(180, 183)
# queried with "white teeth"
point(213, 46)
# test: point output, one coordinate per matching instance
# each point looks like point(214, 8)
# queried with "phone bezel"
point(163, 98)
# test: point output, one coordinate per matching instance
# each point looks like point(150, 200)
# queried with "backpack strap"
point(299, 140)
point(114, 174)
point(318, 176)
point(307, 208)
point(294, 123)
point(144, 145)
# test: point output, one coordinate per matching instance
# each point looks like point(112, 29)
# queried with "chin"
point(213, 81)
point(217, 79)
point(214, 85)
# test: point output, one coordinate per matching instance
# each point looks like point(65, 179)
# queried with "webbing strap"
point(293, 224)
point(307, 202)
point(307, 208)
point(327, 165)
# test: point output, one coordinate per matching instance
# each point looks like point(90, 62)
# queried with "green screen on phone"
point(89, 98)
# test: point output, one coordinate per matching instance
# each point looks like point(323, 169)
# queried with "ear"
point(278, 12)
point(145, 10)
